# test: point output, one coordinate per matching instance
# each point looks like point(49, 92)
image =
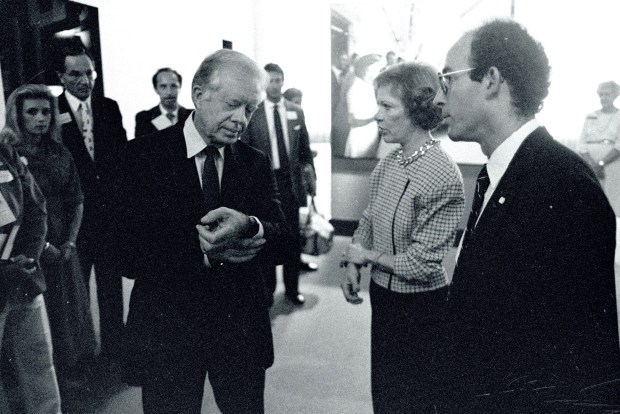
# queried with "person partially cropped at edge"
point(532, 317)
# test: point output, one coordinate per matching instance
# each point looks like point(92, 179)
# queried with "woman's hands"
point(356, 254)
point(351, 284)
point(354, 257)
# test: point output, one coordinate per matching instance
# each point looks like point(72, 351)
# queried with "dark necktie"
point(482, 184)
point(170, 116)
point(210, 179)
point(284, 164)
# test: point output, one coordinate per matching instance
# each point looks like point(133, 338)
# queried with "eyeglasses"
point(445, 79)
point(76, 75)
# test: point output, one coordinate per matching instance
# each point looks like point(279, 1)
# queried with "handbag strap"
point(311, 208)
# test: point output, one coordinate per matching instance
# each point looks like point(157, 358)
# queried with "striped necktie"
point(482, 184)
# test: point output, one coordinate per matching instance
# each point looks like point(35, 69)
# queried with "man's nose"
point(440, 98)
point(378, 115)
point(239, 117)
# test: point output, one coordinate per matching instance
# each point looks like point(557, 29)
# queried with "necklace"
point(417, 154)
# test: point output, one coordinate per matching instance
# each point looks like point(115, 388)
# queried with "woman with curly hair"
point(32, 128)
point(416, 202)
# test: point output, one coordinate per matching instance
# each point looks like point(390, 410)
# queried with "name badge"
point(5, 176)
point(292, 115)
point(64, 118)
point(6, 214)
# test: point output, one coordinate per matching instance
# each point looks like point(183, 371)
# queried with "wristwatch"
point(601, 163)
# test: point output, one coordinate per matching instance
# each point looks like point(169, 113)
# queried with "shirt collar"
point(269, 105)
point(165, 111)
point(501, 157)
point(75, 102)
point(193, 140)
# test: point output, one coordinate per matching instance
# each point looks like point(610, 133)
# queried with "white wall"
point(136, 42)
point(579, 39)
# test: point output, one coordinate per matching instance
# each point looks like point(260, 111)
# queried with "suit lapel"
point(230, 177)
point(154, 113)
point(182, 174)
point(262, 128)
point(511, 185)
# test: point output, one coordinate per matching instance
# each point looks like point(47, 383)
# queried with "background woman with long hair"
point(32, 128)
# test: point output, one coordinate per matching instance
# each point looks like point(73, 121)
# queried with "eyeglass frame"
point(445, 86)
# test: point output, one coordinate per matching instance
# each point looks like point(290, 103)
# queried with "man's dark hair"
point(272, 67)
point(292, 93)
point(177, 74)
point(520, 59)
point(70, 47)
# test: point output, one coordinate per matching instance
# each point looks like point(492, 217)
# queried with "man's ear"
point(493, 80)
point(200, 92)
point(59, 74)
point(197, 92)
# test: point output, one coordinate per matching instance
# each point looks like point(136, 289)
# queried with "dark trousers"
point(290, 207)
point(180, 387)
point(405, 331)
point(97, 253)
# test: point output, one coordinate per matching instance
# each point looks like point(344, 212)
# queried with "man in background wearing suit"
point(201, 216)
point(167, 83)
point(532, 309)
point(279, 130)
point(92, 130)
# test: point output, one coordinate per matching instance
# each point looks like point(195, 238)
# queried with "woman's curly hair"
point(416, 85)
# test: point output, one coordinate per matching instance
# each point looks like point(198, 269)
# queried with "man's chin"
point(224, 139)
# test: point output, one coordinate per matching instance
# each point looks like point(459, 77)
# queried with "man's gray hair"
point(229, 60)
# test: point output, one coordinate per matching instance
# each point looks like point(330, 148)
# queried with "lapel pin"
point(502, 200)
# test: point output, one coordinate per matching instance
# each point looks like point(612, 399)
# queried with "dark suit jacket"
point(27, 204)
point(144, 118)
point(99, 177)
point(178, 306)
point(257, 135)
point(532, 297)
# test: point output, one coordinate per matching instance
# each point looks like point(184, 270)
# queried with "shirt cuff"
point(261, 230)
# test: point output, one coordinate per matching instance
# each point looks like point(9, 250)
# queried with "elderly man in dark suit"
point(532, 305)
point(202, 217)
point(279, 130)
point(92, 130)
point(167, 83)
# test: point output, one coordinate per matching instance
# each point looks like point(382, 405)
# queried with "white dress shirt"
point(273, 139)
point(195, 146)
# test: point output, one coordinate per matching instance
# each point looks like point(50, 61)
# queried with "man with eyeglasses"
point(532, 317)
point(92, 129)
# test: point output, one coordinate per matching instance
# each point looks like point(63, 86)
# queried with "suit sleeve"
point(140, 125)
point(277, 233)
point(305, 153)
point(115, 123)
